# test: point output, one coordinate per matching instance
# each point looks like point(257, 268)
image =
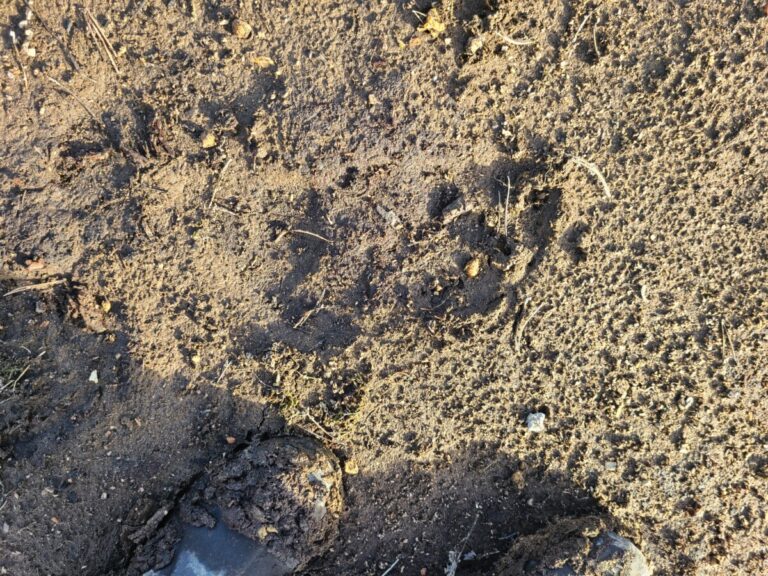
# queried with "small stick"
point(576, 36)
point(223, 370)
point(299, 231)
point(316, 423)
point(392, 567)
point(69, 92)
point(218, 179)
point(308, 313)
point(453, 565)
point(515, 41)
point(594, 36)
point(595, 171)
point(506, 208)
point(18, 379)
point(103, 37)
point(519, 336)
point(225, 209)
point(41, 286)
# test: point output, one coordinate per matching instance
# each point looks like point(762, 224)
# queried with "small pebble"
point(241, 29)
point(475, 45)
point(351, 467)
point(472, 268)
point(208, 140)
point(535, 422)
point(94, 377)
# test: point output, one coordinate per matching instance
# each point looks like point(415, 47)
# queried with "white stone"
point(535, 422)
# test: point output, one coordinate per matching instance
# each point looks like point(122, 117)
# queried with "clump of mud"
point(284, 494)
point(574, 547)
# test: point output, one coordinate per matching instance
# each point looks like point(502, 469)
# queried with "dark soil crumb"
point(398, 237)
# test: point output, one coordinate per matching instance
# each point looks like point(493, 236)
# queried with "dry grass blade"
point(77, 99)
point(41, 286)
point(595, 171)
point(506, 209)
point(218, 181)
point(594, 36)
point(102, 38)
point(391, 567)
point(519, 335)
point(455, 556)
point(12, 384)
point(581, 26)
point(515, 41)
point(308, 314)
point(319, 426)
point(312, 234)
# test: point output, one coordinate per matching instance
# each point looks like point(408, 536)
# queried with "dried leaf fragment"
point(262, 61)
point(433, 24)
point(208, 140)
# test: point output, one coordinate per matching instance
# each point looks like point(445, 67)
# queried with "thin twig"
point(218, 206)
point(498, 207)
point(519, 336)
point(223, 370)
point(77, 99)
point(515, 41)
point(594, 35)
point(309, 313)
point(506, 208)
point(392, 567)
point(307, 233)
point(454, 562)
point(319, 426)
point(583, 22)
point(18, 379)
point(595, 171)
point(218, 180)
point(41, 286)
point(112, 56)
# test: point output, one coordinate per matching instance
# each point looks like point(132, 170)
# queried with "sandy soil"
point(400, 235)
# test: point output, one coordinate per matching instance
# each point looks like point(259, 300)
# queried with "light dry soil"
point(223, 239)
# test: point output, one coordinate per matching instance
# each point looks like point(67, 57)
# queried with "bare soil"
point(400, 236)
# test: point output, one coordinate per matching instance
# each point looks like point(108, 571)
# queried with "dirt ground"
point(399, 231)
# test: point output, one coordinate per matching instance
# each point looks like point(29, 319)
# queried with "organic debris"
point(433, 24)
